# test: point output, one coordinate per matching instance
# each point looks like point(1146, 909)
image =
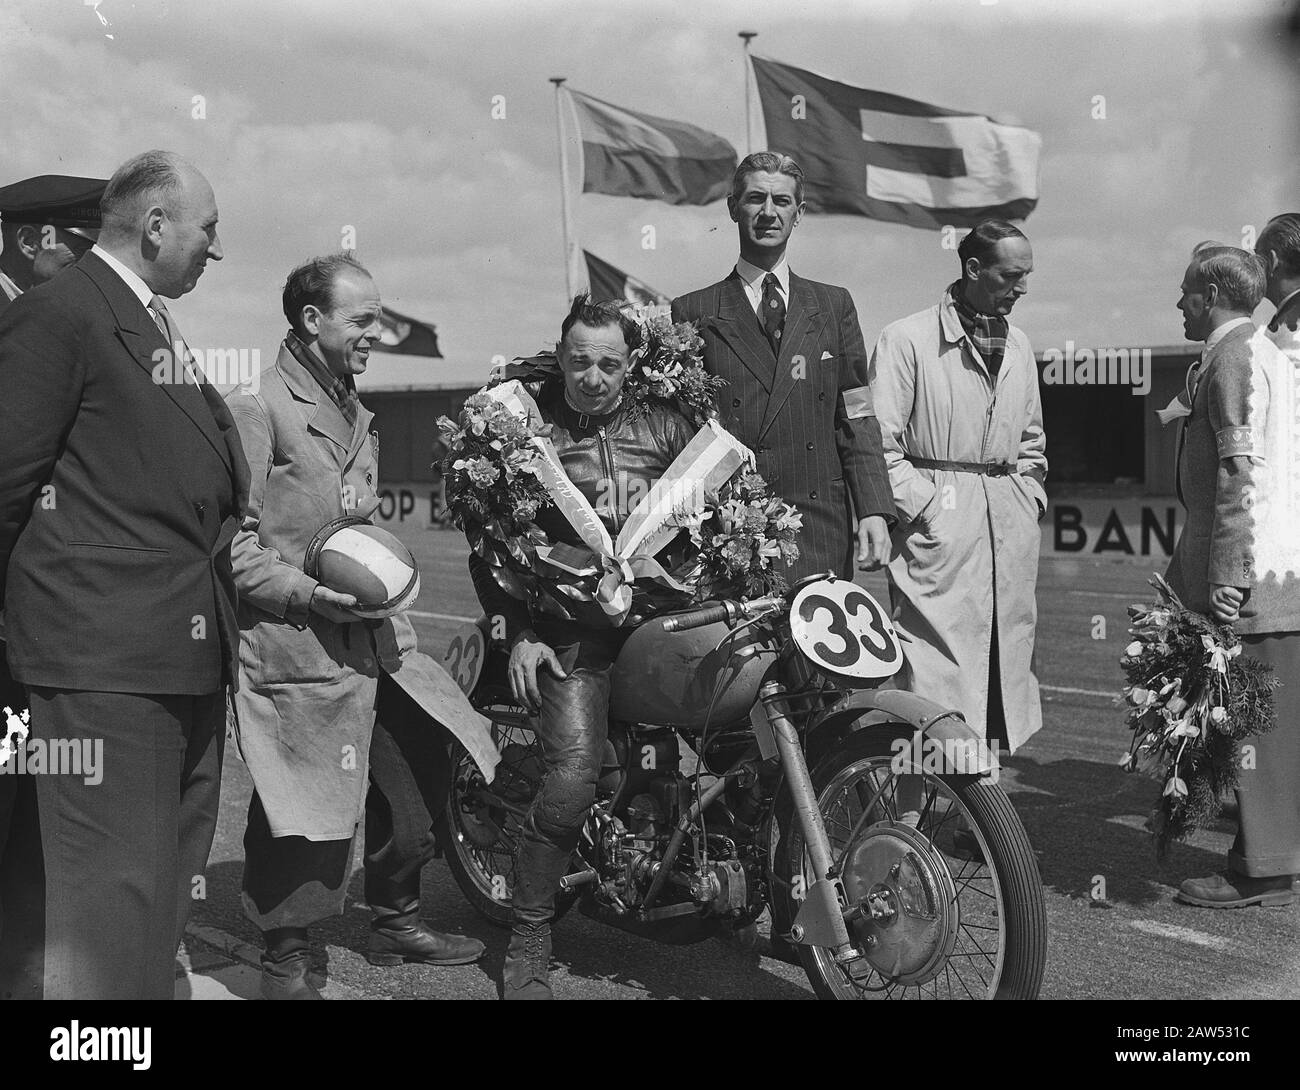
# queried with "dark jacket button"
point(821, 396)
point(199, 508)
point(810, 446)
point(812, 495)
point(735, 403)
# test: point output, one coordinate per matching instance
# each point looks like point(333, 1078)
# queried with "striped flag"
point(405, 336)
point(610, 284)
point(873, 154)
point(628, 154)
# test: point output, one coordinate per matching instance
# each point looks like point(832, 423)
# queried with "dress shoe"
point(421, 945)
point(287, 978)
point(1237, 891)
point(527, 971)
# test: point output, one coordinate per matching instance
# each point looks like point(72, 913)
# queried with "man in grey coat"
point(1237, 558)
point(326, 731)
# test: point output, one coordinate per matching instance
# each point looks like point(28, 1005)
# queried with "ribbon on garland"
point(710, 459)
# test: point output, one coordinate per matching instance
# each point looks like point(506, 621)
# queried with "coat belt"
point(987, 469)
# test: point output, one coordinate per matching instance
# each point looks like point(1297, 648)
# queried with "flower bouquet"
point(743, 538)
point(502, 472)
point(1192, 699)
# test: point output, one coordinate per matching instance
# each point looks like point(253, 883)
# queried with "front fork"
point(820, 920)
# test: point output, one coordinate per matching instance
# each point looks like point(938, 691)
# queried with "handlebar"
point(728, 611)
point(698, 618)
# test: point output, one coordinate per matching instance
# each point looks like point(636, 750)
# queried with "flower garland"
point(665, 367)
point(494, 493)
point(1192, 699)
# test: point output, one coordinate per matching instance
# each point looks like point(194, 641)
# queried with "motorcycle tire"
point(920, 953)
point(472, 845)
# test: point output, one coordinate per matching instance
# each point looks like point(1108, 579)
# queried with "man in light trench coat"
point(314, 679)
point(956, 394)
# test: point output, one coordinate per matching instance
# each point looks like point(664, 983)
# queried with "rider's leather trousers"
point(573, 727)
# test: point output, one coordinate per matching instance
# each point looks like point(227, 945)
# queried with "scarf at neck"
point(987, 332)
point(342, 391)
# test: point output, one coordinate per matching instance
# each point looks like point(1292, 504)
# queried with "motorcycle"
point(867, 821)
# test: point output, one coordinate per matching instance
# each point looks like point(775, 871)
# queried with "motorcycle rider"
point(561, 668)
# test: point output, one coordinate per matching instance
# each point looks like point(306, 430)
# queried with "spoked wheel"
point(945, 897)
point(481, 824)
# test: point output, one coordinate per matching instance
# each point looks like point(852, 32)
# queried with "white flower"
point(1134, 649)
point(1218, 714)
point(14, 725)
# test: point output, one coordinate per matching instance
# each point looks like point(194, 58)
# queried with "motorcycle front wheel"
point(481, 824)
point(945, 899)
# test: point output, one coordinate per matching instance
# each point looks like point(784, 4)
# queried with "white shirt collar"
point(129, 277)
point(1283, 305)
point(10, 289)
point(752, 276)
point(1223, 330)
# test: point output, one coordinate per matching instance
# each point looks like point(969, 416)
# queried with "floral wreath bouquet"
point(502, 471)
point(1192, 699)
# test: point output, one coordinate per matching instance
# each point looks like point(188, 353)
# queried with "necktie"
point(168, 328)
point(772, 311)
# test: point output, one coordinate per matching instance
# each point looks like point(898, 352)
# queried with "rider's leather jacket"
point(613, 459)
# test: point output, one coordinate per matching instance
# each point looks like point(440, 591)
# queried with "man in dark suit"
point(46, 224)
point(792, 353)
point(121, 485)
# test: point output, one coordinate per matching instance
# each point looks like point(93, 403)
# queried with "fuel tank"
point(669, 678)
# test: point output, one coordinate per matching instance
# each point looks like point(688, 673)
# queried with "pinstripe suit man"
point(792, 353)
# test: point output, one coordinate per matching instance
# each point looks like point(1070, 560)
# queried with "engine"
point(641, 797)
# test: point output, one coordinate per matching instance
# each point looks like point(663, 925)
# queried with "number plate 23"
point(844, 631)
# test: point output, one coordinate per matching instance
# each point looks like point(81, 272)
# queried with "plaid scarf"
point(987, 332)
point(342, 391)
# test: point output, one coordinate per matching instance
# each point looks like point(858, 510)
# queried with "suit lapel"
point(361, 433)
point(802, 316)
point(325, 418)
point(737, 324)
point(142, 339)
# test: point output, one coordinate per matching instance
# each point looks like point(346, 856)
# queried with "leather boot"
point(285, 963)
point(397, 935)
point(527, 970)
point(538, 870)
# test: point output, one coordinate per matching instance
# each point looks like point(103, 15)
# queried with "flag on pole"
point(627, 154)
point(407, 337)
point(873, 154)
point(609, 284)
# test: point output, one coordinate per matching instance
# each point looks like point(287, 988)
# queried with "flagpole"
point(564, 189)
point(747, 36)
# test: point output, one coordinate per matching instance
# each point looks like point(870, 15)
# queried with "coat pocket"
point(274, 652)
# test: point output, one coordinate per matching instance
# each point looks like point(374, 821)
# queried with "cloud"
point(328, 114)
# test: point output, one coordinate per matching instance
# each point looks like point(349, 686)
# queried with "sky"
point(317, 116)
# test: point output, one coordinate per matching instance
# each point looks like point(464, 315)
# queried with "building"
point(1111, 478)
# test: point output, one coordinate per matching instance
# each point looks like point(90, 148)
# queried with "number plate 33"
point(844, 632)
point(464, 656)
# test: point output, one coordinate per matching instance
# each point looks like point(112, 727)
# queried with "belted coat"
point(965, 550)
